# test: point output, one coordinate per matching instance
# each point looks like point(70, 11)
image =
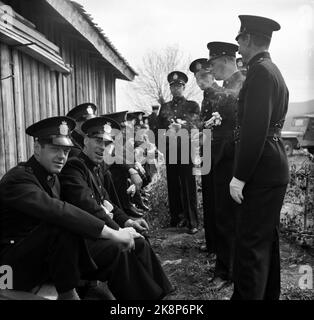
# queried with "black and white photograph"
point(156, 151)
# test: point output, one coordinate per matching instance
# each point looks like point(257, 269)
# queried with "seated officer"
point(130, 275)
point(80, 114)
point(123, 171)
point(42, 236)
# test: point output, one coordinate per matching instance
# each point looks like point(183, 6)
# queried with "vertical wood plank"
point(42, 92)
point(27, 94)
point(48, 105)
point(19, 107)
point(54, 96)
point(35, 90)
point(8, 108)
point(2, 147)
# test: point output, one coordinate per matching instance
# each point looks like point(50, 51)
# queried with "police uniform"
point(120, 171)
point(261, 163)
point(80, 114)
point(130, 275)
point(152, 121)
point(42, 237)
point(224, 101)
point(209, 222)
point(180, 178)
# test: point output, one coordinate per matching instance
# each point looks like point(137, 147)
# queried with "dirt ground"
point(189, 269)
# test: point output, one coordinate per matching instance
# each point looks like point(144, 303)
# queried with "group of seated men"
point(63, 220)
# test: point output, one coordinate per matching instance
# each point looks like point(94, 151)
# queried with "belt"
point(273, 132)
point(223, 135)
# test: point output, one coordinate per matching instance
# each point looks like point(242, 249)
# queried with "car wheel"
point(288, 147)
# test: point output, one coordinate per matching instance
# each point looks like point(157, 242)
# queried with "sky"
point(138, 26)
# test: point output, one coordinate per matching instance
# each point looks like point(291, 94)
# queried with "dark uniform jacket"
point(179, 108)
point(223, 100)
point(263, 103)
point(82, 184)
point(29, 196)
point(153, 122)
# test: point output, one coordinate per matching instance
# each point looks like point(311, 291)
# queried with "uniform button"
point(12, 241)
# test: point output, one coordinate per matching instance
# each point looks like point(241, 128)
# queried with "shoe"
point(217, 283)
point(132, 212)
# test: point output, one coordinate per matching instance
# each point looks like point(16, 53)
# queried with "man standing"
point(261, 170)
point(174, 115)
point(136, 274)
point(204, 80)
point(222, 61)
point(152, 121)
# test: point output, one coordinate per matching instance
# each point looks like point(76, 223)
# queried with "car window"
point(299, 124)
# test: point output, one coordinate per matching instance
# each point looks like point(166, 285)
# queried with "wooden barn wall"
point(35, 92)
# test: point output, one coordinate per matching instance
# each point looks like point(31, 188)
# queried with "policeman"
point(42, 237)
point(131, 275)
point(204, 80)
point(174, 115)
point(124, 170)
point(261, 170)
point(222, 60)
point(152, 120)
point(80, 114)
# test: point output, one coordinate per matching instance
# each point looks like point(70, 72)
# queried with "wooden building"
point(52, 58)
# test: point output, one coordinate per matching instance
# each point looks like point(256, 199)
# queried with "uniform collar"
point(178, 99)
point(90, 164)
point(233, 78)
point(40, 172)
point(258, 58)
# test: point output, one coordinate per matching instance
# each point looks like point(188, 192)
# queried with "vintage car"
point(300, 134)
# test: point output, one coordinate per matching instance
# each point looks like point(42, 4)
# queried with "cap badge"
point(64, 129)
point(107, 128)
point(175, 77)
point(90, 110)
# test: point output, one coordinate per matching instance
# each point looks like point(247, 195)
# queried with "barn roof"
point(83, 22)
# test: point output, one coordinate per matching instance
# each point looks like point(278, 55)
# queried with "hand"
point(136, 179)
point(140, 167)
point(131, 190)
point(236, 189)
point(139, 225)
point(133, 232)
point(175, 126)
point(125, 237)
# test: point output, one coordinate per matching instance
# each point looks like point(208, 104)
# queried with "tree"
point(151, 86)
